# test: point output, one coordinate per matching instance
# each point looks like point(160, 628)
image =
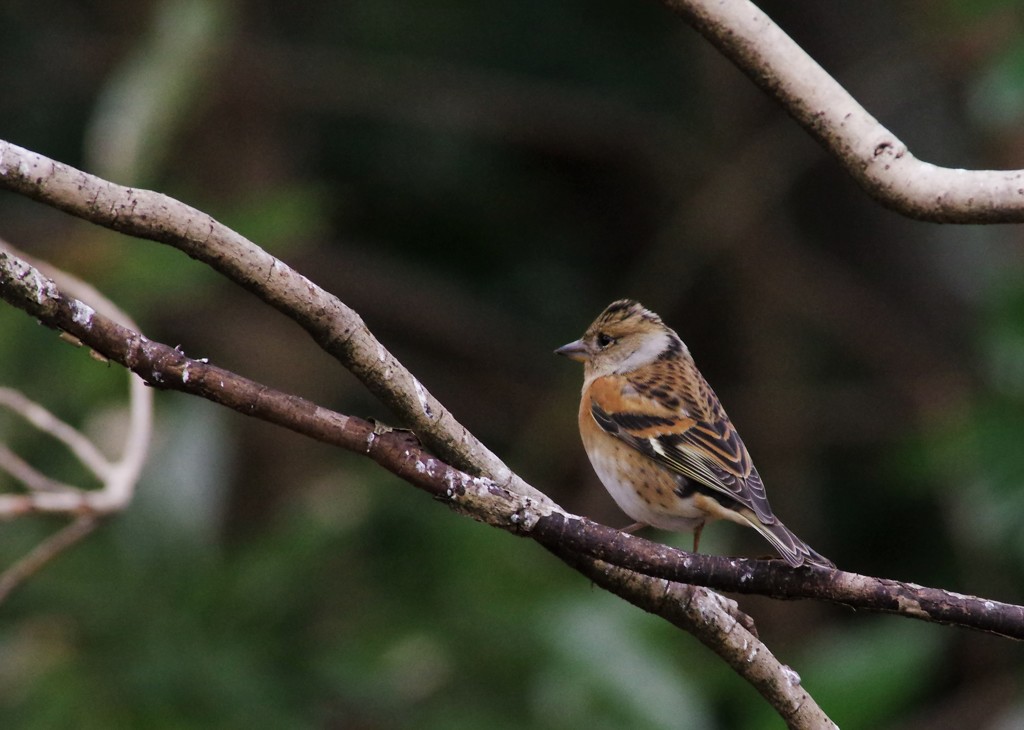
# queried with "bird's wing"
point(685, 429)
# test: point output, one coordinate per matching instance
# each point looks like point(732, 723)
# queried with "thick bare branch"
point(470, 478)
point(334, 326)
point(876, 158)
point(712, 619)
point(716, 621)
point(483, 498)
point(772, 578)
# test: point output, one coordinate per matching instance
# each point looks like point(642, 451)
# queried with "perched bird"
point(658, 437)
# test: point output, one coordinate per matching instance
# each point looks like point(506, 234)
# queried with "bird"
point(659, 438)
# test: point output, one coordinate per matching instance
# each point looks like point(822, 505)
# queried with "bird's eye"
point(604, 340)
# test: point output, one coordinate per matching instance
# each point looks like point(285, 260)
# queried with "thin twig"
point(46, 422)
point(117, 477)
point(44, 552)
point(27, 474)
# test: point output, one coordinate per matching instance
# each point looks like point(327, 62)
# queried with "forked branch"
point(117, 477)
point(400, 452)
point(716, 621)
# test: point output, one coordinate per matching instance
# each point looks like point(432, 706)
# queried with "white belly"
point(635, 489)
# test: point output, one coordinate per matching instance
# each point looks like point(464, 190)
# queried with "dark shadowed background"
point(478, 180)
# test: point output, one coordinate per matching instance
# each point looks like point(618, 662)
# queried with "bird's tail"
point(794, 550)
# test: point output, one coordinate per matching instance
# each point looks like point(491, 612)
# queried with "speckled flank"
point(646, 503)
point(643, 490)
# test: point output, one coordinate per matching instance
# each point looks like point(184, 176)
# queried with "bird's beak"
point(577, 351)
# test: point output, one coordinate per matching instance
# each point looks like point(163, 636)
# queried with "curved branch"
point(876, 158)
point(484, 499)
point(117, 476)
point(71, 437)
point(716, 621)
point(772, 578)
point(333, 325)
point(710, 617)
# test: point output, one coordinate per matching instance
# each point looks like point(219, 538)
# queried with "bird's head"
point(624, 336)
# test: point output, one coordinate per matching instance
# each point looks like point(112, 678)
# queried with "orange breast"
point(643, 489)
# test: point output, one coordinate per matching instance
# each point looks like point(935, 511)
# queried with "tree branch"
point(771, 578)
point(712, 619)
point(45, 552)
point(876, 158)
point(117, 476)
point(468, 476)
point(716, 621)
point(484, 499)
point(332, 324)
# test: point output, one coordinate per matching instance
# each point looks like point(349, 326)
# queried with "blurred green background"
point(478, 179)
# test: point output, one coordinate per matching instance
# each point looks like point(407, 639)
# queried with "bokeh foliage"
point(478, 179)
